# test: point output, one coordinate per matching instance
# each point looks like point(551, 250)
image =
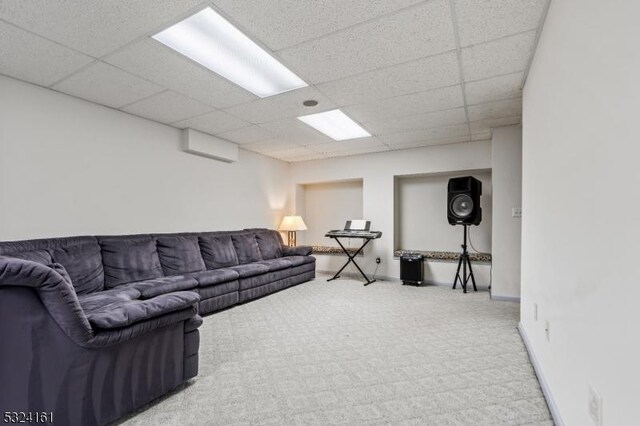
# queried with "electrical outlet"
point(535, 311)
point(378, 260)
point(595, 407)
point(516, 212)
point(547, 329)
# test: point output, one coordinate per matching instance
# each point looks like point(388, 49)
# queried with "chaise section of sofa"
point(115, 319)
point(82, 352)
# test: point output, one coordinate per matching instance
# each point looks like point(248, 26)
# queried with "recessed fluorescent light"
point(335, 124)
point(214, 42)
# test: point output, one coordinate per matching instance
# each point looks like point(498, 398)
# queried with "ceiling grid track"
point(456, 36)
point(391, 69)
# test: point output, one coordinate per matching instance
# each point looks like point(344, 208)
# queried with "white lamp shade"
point(292, 223)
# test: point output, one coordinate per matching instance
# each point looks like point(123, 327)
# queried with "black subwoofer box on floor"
point(411, 269)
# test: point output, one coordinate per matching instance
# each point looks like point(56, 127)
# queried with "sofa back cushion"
point(218, 251)
point(38, 256)
point(61, 271)
point(270, 244)
point(246, 247)
point(180, 255)
point(83, 263)
point(129, 259)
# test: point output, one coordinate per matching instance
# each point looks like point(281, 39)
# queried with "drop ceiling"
point(412, 72)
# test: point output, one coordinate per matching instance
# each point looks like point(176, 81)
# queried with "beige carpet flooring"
point(331, 353)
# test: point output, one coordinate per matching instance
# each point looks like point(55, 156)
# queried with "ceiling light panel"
point(215, 43)
point(335, 124)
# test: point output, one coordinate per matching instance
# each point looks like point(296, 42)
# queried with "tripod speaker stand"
point(463, 262)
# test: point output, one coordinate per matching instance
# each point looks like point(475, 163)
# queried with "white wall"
point(506, 159)
point(581, 212)
point(377, 172)
point(326, 206)
point(421, 216)
point(70, 167)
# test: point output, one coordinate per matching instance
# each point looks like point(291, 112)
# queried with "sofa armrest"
point(104, 338)
point(57, 295)
point(297, 250)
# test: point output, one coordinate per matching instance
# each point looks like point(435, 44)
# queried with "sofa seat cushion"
point(300, 260)
point(157, 286)
point(218, 251)
point(276, 264)
point(83, 262)
point(124, 313)
point(250, 270)
point(217, 276)
point(180, 254)
point(129, 259)
point(94, 301)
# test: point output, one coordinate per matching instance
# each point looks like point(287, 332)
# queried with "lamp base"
point(291, 237)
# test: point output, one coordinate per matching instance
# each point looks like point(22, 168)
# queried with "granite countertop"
point(332, 250)
point(434, 255)
point(445, 255)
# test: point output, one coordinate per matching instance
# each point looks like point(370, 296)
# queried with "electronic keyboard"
point(342, 233)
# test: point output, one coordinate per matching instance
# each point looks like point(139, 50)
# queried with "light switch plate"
point(516, 212)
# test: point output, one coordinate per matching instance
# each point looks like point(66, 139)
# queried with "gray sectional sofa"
point(92, 328)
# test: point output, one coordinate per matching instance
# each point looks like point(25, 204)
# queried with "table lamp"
point(291, 224)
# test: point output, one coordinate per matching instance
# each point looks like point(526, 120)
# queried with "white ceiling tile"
point(34, 59)
point(417, 121)
point(107, 85)
point(400, 106)
point(247, 134)
point(494, 89)
point(495, 110)
point(94, 27)
point(410, 34)
point(503, 56)
point(429, 142)
point(283, 23)
point(478, 127)
point(348, 145)
point(459, 130)
point(480, 136)
point(305, 158)
point(156, 62)
point(284, 105)
point(415, 76)
point(167, 107)
point(360, 151)
point(212, 122)
point(295, 131)
point(270, 145)
point(292, 152)
point(480, 21)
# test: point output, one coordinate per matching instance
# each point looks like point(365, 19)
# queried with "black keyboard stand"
point(351, 259)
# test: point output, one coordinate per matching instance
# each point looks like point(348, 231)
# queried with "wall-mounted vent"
point(198, 143)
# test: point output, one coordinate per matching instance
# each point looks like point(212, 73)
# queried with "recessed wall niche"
point(420, 217)
point(327, 205)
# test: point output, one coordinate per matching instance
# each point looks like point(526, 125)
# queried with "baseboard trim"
point(548, 396)
point(505, 298)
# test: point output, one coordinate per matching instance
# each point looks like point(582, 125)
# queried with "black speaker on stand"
point(463, 208)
